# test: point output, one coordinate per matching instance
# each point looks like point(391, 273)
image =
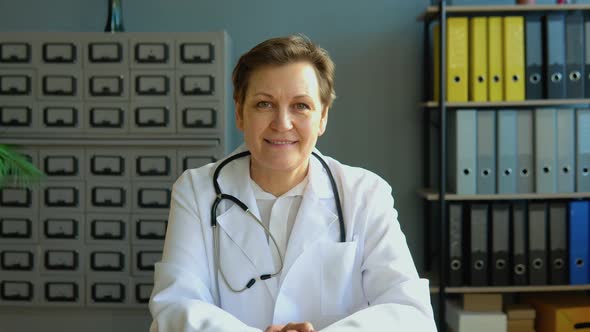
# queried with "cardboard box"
point(561, 313)
point(482, 302)
point(520, 311)
point(468, 321)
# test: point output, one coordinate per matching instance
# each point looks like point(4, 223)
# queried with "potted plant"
point(16, 170)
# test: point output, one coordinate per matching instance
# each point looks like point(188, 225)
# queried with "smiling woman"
point(305, 242)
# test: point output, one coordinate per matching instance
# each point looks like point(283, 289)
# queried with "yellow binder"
point(478, 59)
point(514, 84)
point(457, 58)
point(436, 62)
point(495, 63)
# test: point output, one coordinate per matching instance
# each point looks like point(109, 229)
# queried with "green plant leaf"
point(17, 171)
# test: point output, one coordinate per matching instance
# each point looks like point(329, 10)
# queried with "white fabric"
point(368, 283)
point(278, 215)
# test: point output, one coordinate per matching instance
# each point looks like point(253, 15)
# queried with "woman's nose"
point(282, 119)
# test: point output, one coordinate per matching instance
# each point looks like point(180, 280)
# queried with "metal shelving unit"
point(440, 196)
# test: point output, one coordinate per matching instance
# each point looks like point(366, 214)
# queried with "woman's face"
point(282, 117)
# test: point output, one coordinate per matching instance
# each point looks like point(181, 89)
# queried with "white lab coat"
point(368, 283)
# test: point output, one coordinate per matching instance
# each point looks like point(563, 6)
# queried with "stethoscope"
point(221, 196)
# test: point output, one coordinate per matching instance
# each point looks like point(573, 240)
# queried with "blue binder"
point(507, 152)
point(583, 150)
point(579, 231)
point(486, 152)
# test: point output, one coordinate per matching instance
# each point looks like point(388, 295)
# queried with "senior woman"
point(278, 237)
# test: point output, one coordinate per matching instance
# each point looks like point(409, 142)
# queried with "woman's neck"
point(277, 182)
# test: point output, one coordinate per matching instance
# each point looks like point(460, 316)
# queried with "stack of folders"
point(481, 318)
point(544, 150)
point(515, 58)
point(519, 243)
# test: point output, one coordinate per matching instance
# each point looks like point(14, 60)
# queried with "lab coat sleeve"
point(182, 299)
point(398, 298)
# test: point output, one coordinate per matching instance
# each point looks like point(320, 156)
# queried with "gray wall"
point(375, 122)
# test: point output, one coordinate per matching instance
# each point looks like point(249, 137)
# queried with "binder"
point(579, 213)
point(566, 150)
point(506, 145)
point(478, 59)
point(500, 244)
point(514, 62)
point(457, 58)
point(436, 62)
point(495, 59)
point(462, 152)
point(537, 244)
point(558, 244)
point(545, 154)
point(535, 77)
point(478, 244)
point(524, 149)
point(583, 150)
point(456, 268)
point(555, 55)
point(486, 152)
point(519, 244)
point(587, 58)
point(574, 55)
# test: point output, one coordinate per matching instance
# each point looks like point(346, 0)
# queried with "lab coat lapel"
point(314, 218)
point(244, 231)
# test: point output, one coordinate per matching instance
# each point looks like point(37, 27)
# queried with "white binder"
point(462, 152)
point(566, 150)
point(526, 169)
point(545, 150)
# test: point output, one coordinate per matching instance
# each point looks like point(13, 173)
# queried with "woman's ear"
point(239, 116)
point(324, 120)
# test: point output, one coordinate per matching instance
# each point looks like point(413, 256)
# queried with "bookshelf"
point(436, 199)
point(431, 105)
point(432, 12)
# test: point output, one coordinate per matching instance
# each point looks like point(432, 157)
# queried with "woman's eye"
point(301, 106)
point(264, 104)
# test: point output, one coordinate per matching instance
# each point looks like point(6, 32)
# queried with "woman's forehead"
point(295, 80)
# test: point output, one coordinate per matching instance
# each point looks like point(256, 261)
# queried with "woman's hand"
point(291, 327)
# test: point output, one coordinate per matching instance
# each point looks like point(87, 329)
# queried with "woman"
point(291, 258)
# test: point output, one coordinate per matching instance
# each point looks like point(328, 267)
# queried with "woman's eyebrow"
point(263, 94)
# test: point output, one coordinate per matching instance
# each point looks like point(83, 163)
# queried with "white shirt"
point(278, 215)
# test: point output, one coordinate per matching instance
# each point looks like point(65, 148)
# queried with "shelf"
point(516, 289)
point(432, 11)
point(117, 140)
point(522, 103)
point(432, 195)
point(434, 289)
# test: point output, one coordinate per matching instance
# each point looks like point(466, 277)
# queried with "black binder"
point(537, 244)
point(558, 255)
point(535, 82)
point(478, 244)
point(519, 244)
point(456, 262)
point(500, 227)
